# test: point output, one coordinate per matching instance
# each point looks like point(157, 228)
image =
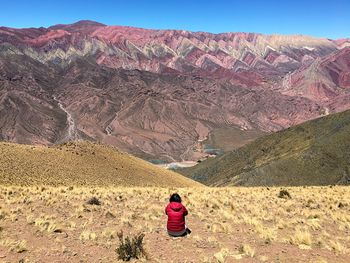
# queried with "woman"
point(176, 213)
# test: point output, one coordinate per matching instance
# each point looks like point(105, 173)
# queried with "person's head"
point(175, 198)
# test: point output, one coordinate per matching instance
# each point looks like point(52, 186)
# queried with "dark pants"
point(183, 233)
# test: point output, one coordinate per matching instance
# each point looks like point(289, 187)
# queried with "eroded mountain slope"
point(155, 93)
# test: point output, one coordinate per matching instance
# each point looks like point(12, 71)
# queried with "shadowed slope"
point(80, 163)
point(313, 153)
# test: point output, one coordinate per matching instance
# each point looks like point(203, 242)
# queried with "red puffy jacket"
point(176, 216)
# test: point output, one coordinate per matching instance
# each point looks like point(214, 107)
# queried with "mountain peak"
point(88, 23)
point(78, 26)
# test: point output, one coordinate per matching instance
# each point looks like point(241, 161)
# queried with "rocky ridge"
point(155, 93)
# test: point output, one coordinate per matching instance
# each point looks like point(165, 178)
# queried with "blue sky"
point(317, 18)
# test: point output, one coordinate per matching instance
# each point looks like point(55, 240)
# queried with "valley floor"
point(47, 224)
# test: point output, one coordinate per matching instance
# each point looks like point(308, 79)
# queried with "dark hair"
point(175, 198)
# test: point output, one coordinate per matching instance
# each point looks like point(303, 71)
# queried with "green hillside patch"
point(313, 153)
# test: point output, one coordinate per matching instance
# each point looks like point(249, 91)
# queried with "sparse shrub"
point(130, 248)
point(284, 194)
point(93, 201)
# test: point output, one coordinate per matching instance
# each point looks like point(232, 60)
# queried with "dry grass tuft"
point(246, 250)
point(302, 238)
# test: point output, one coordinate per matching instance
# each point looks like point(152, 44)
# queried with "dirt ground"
point(46, 224)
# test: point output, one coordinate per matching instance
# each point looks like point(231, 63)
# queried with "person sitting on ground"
point(176, 213)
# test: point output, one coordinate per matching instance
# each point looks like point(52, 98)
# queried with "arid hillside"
point(80, 164)
point(55, 224)
point(313, 153)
